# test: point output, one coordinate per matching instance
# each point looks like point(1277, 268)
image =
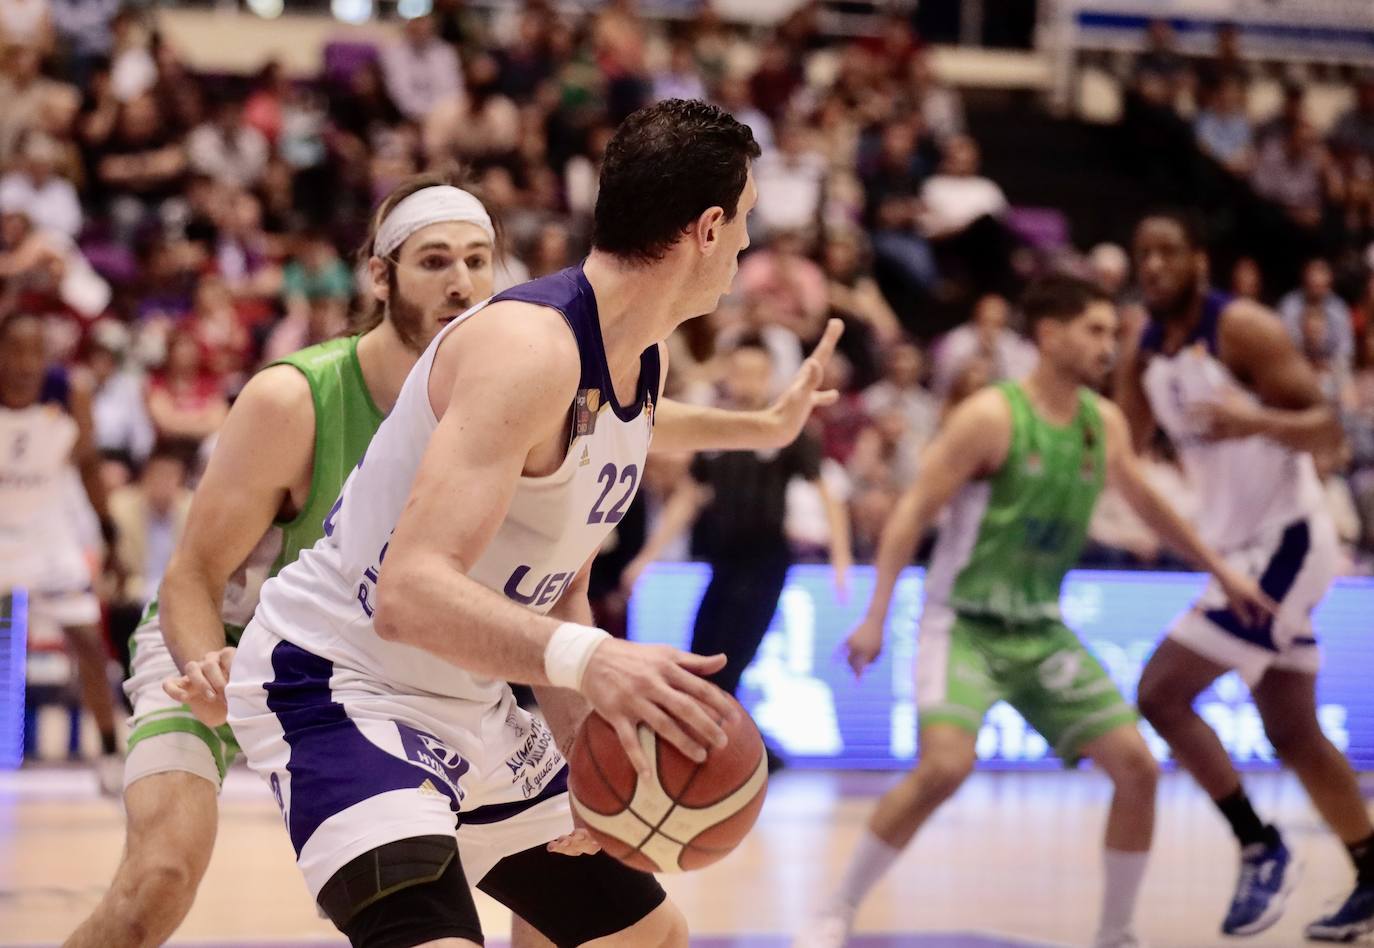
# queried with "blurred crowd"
point(182, 229)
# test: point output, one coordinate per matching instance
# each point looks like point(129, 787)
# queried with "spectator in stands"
point(870, 323)
point(1362, 312)
point(961, 214)
point(1292, 172)
point(133, 70)
point(1223, 127)
point(26, 23)
point(552, 250)
point(28, 96)
point(141, 168)
point(525, 64)
point(732, 95)
point(478, 123)
point(221, 332)
point(892, 185)
point(240, 248)
point(1247, 280)
point(776, 80)
point(316, 271)
point(228, 150)
point(308, 321)
point(939, 105)
point(680, 78)
point(1315, 343)
point(263, 108)
point(85, 32)
point(789, 179)
point(150, 515)
point(1354, 131)
point(421, 70)
point(1110, 268)
point(1315, 298)
point(34, 187)
point(988, 338)
point(1291, 113)
point(46, 268)
point(118, 409)
point(900, 391)
point(1160, 71)
point(791, 284)
point(186, 401)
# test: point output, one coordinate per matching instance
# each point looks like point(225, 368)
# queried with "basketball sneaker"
point(1353, 919)
point(1268, 874)
point(829, 930)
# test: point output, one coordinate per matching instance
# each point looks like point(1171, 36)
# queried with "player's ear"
point(377, 270)
point(708, 228)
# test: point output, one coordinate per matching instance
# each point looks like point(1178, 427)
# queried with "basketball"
point(687, 815)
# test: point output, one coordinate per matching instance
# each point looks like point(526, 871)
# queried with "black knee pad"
point(402, 894)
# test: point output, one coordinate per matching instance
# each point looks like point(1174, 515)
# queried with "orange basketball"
point(688, 815)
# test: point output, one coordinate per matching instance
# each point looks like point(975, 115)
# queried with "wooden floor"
point(1013, 860)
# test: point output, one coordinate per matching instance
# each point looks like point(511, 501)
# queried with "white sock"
point(1122, 873)
point(871, 860)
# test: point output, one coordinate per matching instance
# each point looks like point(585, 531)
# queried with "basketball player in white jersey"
point(45, 429)
point(370, 688)
point(1244, 409)
point(259, 490)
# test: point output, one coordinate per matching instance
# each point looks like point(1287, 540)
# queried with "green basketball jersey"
point(345, 421)
point(1008, 540)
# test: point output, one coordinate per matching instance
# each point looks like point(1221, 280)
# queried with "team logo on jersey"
point(1034, 465)
point(585, 410)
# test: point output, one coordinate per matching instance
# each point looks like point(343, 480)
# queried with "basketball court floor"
point(1011, 862)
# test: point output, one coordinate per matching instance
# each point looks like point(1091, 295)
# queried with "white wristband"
point(568, 652)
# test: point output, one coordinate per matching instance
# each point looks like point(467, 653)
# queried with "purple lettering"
point(362, 599)
point(553, 588)
point(371, 574)
point(512, 587)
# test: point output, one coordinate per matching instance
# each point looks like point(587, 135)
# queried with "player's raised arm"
point(972, 442)
point(1255, 346)
point(526, 365)
point(264, 448)
point(682, 428)
point(1124, 473)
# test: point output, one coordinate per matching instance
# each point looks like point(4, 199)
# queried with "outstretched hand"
point(804, 394)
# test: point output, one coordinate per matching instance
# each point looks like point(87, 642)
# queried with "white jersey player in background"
point(1244, 409)
point(45, 429)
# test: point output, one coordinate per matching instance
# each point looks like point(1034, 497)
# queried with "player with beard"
point(1020, 465)
point(269, 484)
point(1246, 412)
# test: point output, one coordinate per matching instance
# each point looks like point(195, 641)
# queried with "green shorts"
point(965, 665)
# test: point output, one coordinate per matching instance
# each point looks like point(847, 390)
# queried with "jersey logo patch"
point(1034, 465)
point(586, 458)
point(585, 410)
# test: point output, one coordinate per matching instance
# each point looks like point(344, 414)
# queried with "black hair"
point(1060, 297)
point(665, 166)
point(1187, 221)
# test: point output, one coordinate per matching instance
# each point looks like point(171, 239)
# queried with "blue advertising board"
point(808, 703)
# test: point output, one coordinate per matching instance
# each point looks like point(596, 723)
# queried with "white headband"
point(439, 204)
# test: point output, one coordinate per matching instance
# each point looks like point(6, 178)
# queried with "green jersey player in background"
point(1019, 467)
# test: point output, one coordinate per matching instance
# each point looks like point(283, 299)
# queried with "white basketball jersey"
point(1247, 485)
point(324, 601)
point(37, 530)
